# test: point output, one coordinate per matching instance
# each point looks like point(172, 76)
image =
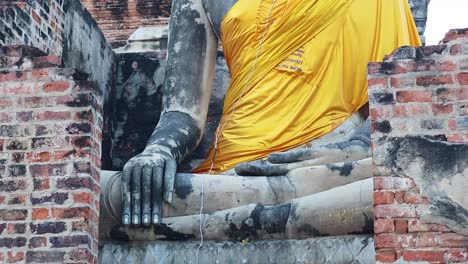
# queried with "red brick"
point(463, 78)
point(378, 83)
point(84, 197)
point(402, 82)
point(383, 198)
point(5, 102)
point(47, 61)
point(418, 109)
point(384, 226)
point(447, 66)
point(14, 257)
point(426, 240)
point(417, 226)
point(36, 17)
point(452, 124)
point(413, 197)
point(395, 240)
point(457, 255)
point(383, 183)
point(401, 226)
point(386, 255)
point(23, 88)
point(433, 256)
point(442, 109)
point(394, 211)
point(414, 96)
point(454, 94)
point(34, 157)
point(40, 74)
point(12, 76)
point(381, 113)
point(399, 197)
point(431, 80)
point(40, 213)
point(41, 184)
point(56, 86)
point(76, 212)
point(453, 240)
point(51, 115)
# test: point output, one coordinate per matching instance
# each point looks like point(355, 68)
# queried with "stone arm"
point(356, 148)
point(148, 178)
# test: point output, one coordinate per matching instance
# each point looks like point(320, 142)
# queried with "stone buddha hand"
point(149, 179)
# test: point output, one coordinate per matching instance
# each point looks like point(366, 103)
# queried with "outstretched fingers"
point(157, 190)
point(147, 174)
point(127, 198)
point(169, 179)
point(136, 194)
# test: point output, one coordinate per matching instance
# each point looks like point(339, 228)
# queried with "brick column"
point(50, 136)
point(416, 91)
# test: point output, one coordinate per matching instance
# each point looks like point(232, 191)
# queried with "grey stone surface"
point(351, 249)
point(419, 9)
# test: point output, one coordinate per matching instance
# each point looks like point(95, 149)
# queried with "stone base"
point(349, 249)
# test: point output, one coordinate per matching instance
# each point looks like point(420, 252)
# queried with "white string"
point(219, 130)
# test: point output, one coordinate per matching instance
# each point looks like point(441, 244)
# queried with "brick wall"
point(50, 136)
point(33, 23)
point(416, 91)
point(118, 19)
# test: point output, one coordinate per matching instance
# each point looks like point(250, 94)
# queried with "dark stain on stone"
point(169, 234)
point(343, 170)
point(183, 185)
point(367, 228)
point(383, 127)
point(310, 230)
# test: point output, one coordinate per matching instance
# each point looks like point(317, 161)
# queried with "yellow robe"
point(311, 72)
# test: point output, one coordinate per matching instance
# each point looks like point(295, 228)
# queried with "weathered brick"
point(455, 94)
point(74, 212)
point(8, 242)
point(17, 170)
point(75, 183)
point(384, 226)
point(424, 255)
point(16, 228)
point(395, 240)
point(41, 184)
point(414, 96)
point(401, 226)
point(453, 240)
point(381, 98)
point(51, 87)
point(17, 199)
point(457, 255)
point(386, 255)
point(426, 240)
point(52, 115)
point(55, 198)
point(37, 242)
point(48, 228)
point(69, 241)
point(14, 257)
point(12, 186)
point(45, 256)
point(395, 211)
point(463, 78)
point(35, 157)
point(24, 116)
point(79, 128)
point(383, 198)
point(37, 170)
point(46, 61)
point(40, 213)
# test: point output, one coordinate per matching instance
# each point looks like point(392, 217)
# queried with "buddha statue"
point(291, 156)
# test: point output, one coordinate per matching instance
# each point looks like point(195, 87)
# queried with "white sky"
point(444, 15)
